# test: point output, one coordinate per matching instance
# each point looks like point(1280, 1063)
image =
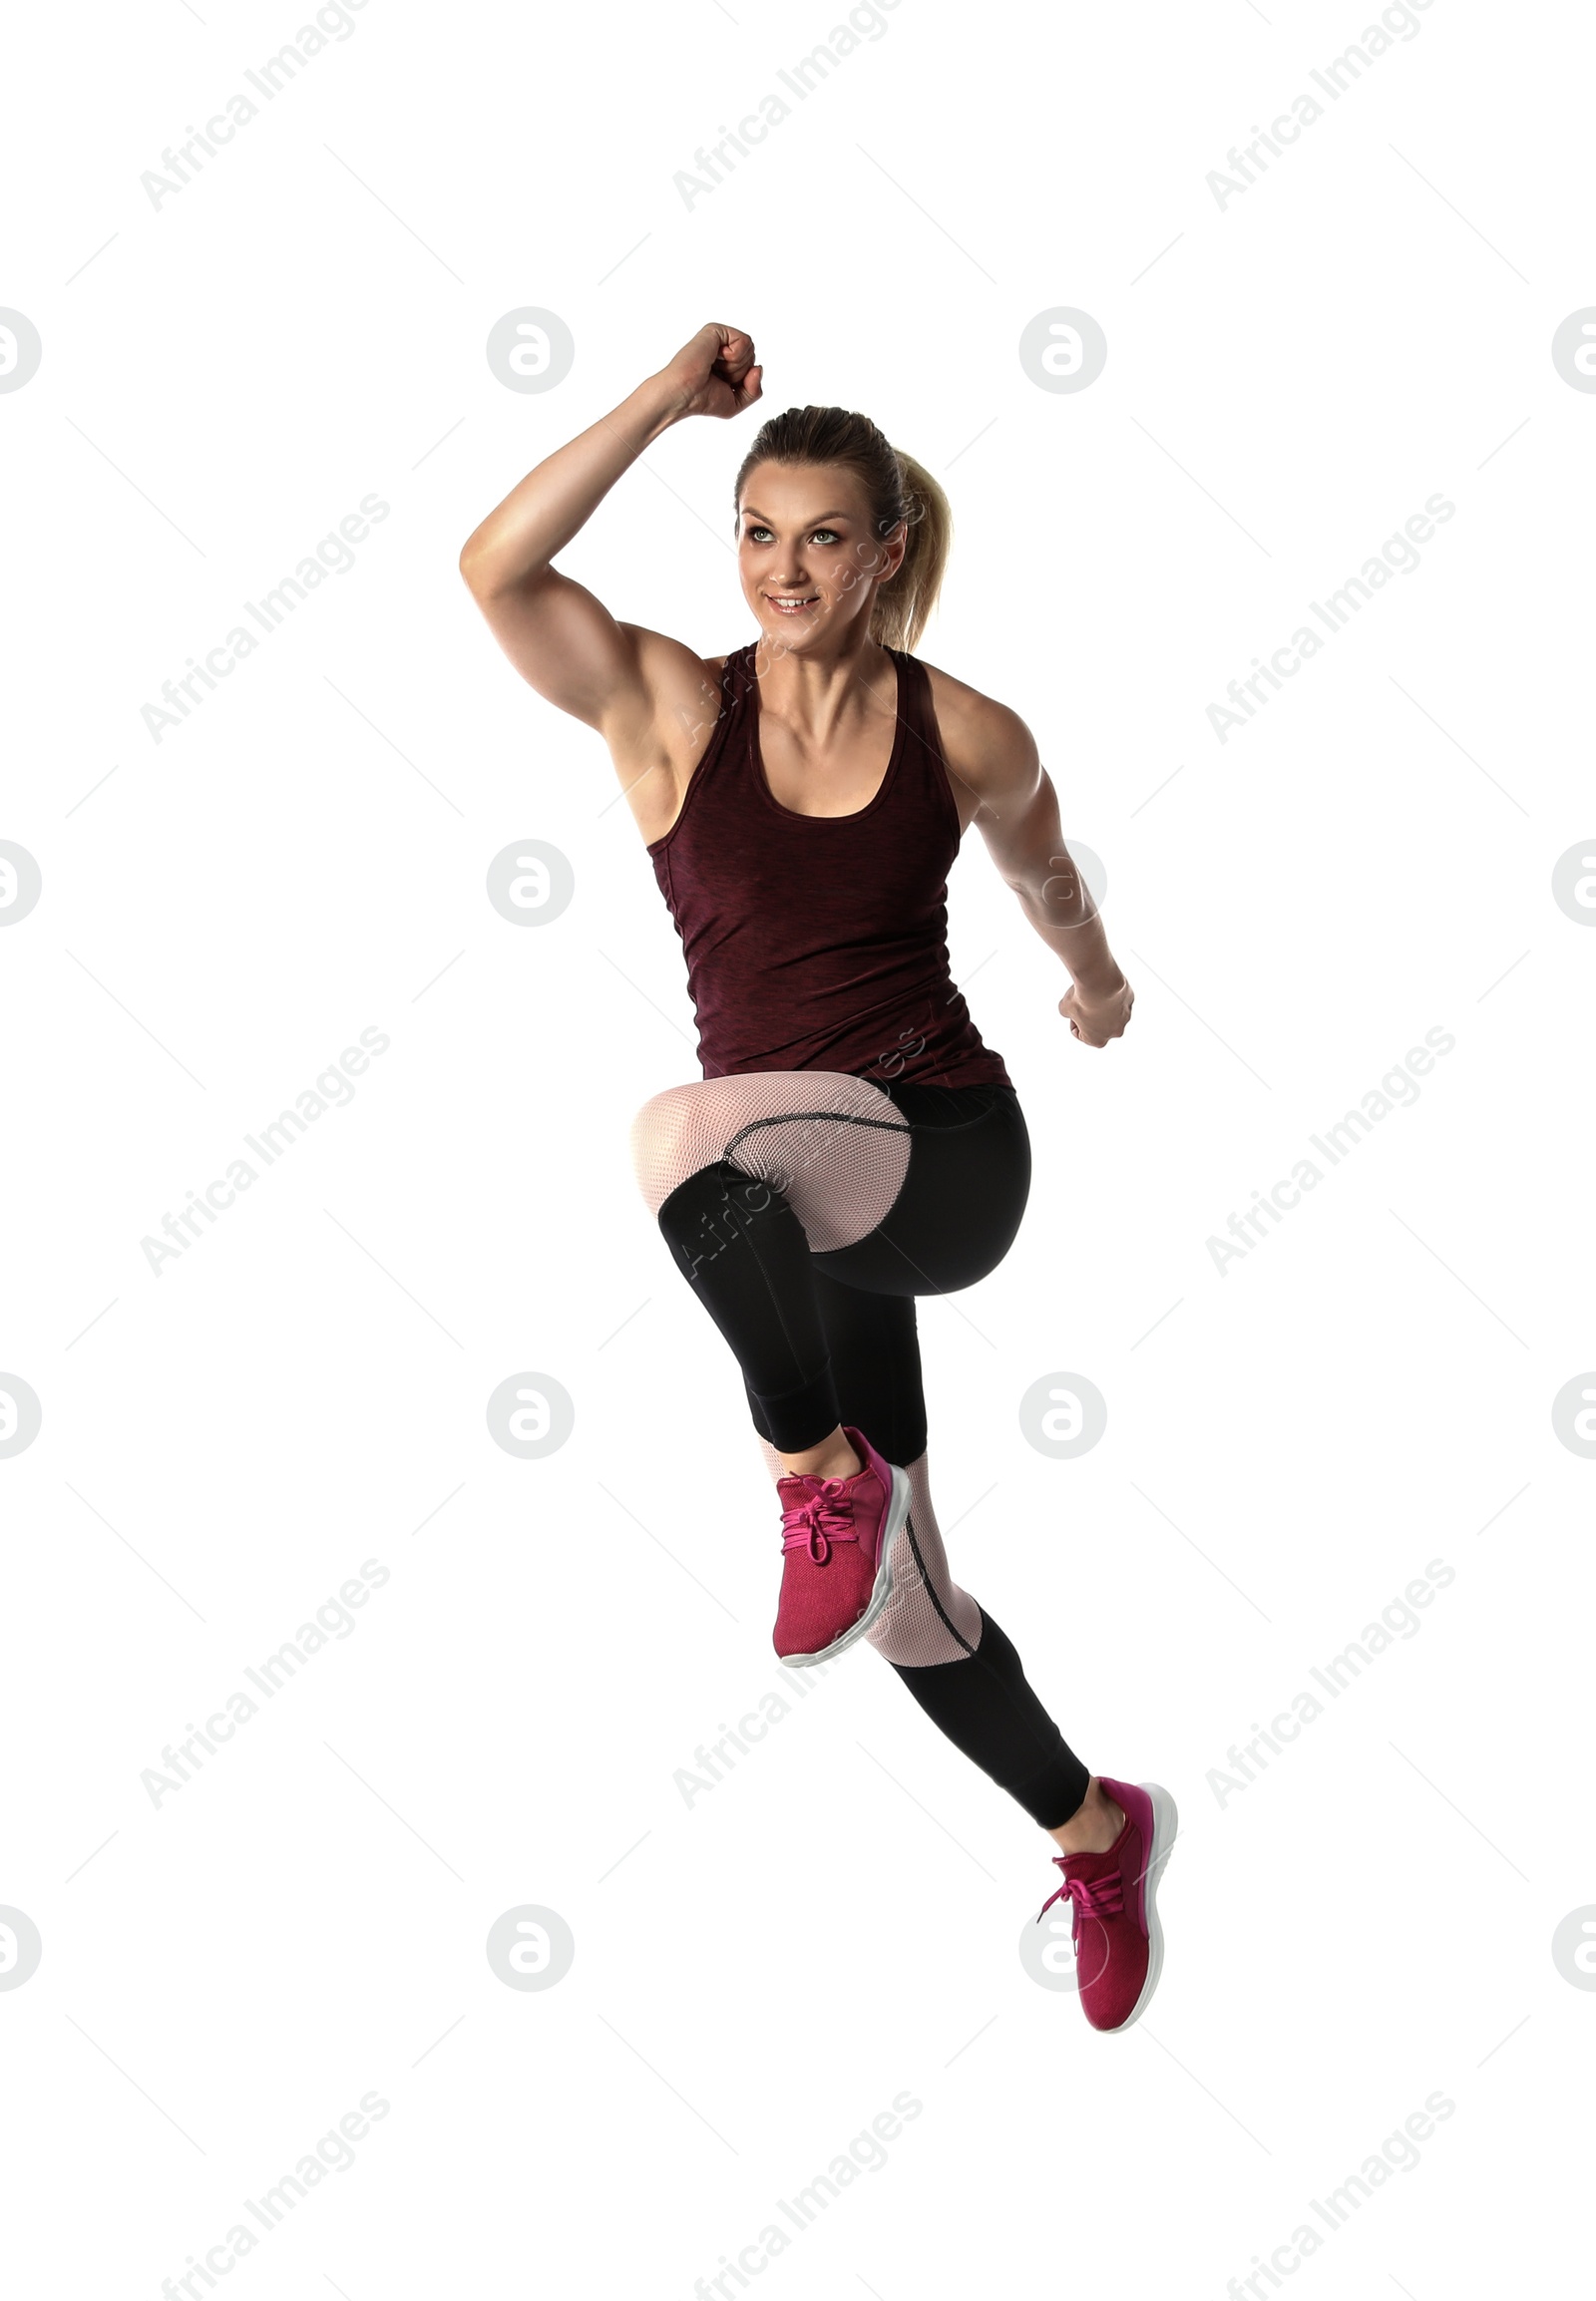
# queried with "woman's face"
point(805, 553)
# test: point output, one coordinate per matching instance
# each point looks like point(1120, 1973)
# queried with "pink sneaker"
point(836, 1534)
point(1120, 1944)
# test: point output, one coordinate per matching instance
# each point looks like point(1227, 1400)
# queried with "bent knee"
point(672, 1136)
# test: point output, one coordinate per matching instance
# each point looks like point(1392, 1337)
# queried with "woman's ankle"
point(835, 1456)
point(1093, 1827)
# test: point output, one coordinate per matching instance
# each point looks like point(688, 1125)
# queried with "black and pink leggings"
point(807, 1209)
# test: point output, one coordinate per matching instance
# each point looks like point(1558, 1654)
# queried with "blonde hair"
point(897, 490)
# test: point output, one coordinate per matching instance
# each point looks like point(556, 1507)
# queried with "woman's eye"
point(828, 534)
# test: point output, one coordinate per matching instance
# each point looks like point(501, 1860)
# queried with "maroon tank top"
point(819, 941)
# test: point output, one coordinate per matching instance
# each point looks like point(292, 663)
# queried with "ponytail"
point(902, 608)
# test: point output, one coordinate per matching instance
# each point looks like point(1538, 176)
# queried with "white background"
point(758, 1975)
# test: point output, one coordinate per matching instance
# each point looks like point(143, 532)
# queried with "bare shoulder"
point(683, 690)
point(991, 752)
point(656, 743)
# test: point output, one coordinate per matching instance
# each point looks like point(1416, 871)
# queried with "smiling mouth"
point(791, 602)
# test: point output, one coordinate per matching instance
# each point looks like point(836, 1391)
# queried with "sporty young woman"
point(852, 1143)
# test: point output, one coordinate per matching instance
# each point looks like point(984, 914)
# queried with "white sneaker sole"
point(891, 1526)
point(1166, 1826)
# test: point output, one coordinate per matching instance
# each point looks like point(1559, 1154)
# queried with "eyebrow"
point(819, 520)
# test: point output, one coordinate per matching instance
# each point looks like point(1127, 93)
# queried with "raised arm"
point(621, 678)
point(1018, 815)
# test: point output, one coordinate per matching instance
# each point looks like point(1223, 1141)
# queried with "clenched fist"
point(1096, 1019)
point(716, 372)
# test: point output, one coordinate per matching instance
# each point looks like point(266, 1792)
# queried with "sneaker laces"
point(1099, 1897)
point(824, 1517)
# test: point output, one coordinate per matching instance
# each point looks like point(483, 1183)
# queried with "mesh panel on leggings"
point(835, 1146)
point(927, 1618)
